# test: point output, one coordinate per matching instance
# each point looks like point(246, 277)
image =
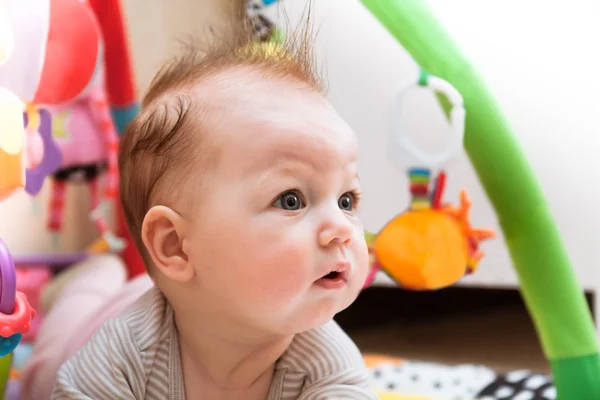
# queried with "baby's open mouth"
point(332, 275)
point(335, 279)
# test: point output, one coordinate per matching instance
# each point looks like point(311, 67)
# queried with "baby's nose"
point(335, 232)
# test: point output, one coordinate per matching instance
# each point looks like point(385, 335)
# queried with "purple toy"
point(54, 261)
point(8, 282)
point(34, 178)
point(8, 292)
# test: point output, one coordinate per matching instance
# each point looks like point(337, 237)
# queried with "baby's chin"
point(317, 315)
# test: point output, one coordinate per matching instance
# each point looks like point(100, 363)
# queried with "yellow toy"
point(12, 144)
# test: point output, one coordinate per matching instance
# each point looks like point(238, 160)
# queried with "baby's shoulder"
point(123, 352)
point(147, 320)
point(324, 351)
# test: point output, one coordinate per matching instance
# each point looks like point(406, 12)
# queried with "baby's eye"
point(289, 201)
point(346, 202)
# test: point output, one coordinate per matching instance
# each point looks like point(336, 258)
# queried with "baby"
point(239, 184)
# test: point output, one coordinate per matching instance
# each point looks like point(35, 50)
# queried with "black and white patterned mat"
point(461, 382)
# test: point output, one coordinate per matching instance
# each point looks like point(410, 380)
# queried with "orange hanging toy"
point(431, 245)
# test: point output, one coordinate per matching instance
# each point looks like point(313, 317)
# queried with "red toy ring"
point(19, 321)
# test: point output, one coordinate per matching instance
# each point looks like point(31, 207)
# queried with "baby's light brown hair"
point(165, 139)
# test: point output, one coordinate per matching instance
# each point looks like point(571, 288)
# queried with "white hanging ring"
point(403, 152)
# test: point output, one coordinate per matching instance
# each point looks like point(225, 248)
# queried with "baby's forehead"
point(261, 119)
point(251, 96)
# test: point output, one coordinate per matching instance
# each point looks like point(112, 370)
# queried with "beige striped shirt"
point(136, 356)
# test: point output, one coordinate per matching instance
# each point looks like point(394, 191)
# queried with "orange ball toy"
point(430, 246)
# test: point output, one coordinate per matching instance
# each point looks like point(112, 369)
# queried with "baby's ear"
point(163, 232)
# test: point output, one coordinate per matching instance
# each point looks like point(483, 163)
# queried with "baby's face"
point(276, 241)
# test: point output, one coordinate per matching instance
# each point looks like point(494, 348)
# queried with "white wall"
point(542, 62)
point(153, 30)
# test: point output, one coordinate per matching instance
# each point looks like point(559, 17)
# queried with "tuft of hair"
point(166, 136)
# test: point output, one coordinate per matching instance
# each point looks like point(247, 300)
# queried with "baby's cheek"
point(362, 251)
point(361, 256)
point(286, 270)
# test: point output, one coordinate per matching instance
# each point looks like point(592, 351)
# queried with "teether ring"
point(403, 151)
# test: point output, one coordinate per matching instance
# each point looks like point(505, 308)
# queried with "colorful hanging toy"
point(432, 244)
point(49, 57)
point(65, 76)
point(15, 312)
point(83, 127)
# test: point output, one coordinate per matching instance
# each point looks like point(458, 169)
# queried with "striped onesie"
point(136, 356)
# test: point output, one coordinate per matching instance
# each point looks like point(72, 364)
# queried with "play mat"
point(398, 379)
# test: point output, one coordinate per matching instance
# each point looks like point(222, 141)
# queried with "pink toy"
point(31, 280)
point(20, 320)
point(71, 87)
point(84, 132)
